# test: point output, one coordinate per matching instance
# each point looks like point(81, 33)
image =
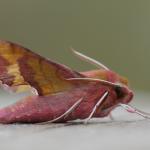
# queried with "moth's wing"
point(21, 69)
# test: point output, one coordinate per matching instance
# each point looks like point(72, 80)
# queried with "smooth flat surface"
point(128, 131)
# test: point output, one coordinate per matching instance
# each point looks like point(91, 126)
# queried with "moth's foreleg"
point(111, 117)
point(69, 111)
point(97, 106)
point(132, 109)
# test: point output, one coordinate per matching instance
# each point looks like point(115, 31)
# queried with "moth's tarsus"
point(111, 117)
point(70, 110)
point(96, 106)
point(89, 60)
point(132, 109)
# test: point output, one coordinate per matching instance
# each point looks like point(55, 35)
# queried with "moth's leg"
point(111, 117)
point(69, 111)
point(96, 106)
point(132, 109)
point(89, 60)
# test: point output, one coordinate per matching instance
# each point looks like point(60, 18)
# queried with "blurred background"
point(115, 32)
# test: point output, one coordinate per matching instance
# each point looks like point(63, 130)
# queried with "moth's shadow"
point(91, 123)
point(36, 128)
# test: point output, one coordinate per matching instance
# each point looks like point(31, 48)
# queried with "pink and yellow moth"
point(61, 94)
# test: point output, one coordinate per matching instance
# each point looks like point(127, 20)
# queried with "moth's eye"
point(119, 91)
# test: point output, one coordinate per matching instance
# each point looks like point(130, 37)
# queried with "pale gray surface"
point(127, 132)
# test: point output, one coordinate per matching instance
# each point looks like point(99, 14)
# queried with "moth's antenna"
point(132, 109)
point(92, 79)
point(89, 60)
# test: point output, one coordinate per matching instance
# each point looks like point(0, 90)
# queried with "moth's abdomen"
point(44, 108)
point(29, 110)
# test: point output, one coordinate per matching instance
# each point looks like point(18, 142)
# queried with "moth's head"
point(124, 94)
point(107, 75)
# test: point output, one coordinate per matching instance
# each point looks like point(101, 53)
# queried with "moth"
point(60, 93)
